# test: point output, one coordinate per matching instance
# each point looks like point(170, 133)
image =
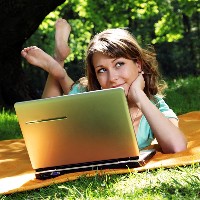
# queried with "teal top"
point(145, 135)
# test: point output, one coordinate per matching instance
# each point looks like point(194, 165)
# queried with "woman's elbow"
point(179, 145)
point(180, 148)
point(176, 148)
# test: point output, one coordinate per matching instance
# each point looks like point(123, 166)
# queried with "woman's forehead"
point(99, 59)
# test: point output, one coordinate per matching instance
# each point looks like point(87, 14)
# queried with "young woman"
point(115, 59)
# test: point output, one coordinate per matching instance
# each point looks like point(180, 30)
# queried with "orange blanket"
point(16, 173)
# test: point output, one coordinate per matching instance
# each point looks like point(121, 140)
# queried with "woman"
point(115, 59)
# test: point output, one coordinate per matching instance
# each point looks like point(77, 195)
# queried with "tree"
point(19, 20)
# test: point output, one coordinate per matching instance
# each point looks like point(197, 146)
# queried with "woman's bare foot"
point(39, 58)
point(62, 49)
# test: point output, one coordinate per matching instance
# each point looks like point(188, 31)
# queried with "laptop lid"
point(80, 128)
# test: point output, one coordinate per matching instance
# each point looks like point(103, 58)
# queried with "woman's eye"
point(102, 70)
point(119, 64)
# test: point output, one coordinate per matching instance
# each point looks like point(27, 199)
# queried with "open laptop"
point(86, 131)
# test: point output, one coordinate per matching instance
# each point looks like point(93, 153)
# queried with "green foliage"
point(79, 38)
point(167, 29)
point(170, 26)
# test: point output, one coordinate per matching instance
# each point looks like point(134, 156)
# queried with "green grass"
point(9, 127)
point(174, 183)
point(177, 183)
point(183, 95)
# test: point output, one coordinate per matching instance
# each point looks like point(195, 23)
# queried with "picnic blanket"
point(17, 175)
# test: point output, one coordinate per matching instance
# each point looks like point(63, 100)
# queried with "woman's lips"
point(119, 85)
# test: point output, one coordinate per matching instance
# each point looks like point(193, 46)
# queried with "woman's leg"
point(61, 51)
point(58, 81)
point(39, 58)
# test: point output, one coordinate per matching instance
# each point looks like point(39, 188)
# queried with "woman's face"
point(115, 72)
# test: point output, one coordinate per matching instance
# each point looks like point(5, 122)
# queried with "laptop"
point(80, 132)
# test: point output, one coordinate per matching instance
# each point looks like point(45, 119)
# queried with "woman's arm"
point(165, 130)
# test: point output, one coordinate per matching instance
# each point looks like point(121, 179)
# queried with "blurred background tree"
point(19, 20)
point(171, 26)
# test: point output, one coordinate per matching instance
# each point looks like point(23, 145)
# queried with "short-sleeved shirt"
point(77, 88)
point(145, 135)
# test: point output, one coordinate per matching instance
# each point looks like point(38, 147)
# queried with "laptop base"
point(52, 172)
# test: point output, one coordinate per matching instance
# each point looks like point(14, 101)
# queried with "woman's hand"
point(137, 85)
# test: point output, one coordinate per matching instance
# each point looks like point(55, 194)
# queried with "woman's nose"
point(113, 76)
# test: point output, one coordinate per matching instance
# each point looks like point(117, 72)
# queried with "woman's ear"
point(139, 65)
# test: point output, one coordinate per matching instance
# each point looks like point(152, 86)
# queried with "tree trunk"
point(19, 20)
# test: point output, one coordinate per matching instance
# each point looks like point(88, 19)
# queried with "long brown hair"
point(120, 43)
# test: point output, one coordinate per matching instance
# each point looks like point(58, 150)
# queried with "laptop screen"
point(79, 128)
